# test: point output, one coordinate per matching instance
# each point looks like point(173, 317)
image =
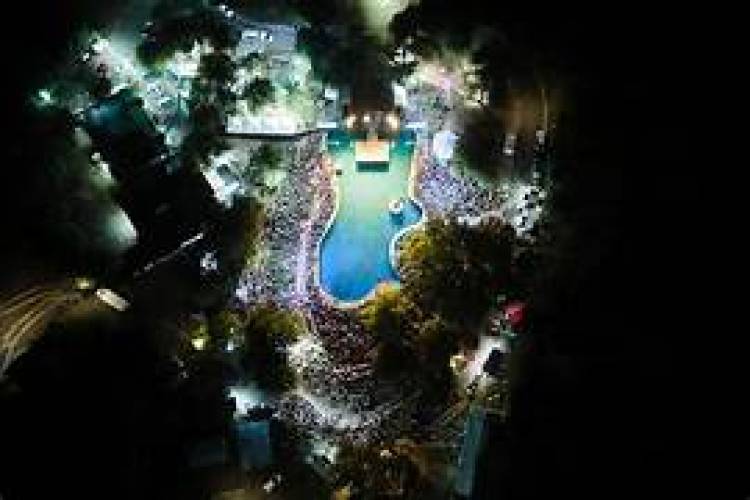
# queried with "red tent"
point(514, 313)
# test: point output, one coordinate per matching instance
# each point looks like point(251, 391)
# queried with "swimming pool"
point(355, 251)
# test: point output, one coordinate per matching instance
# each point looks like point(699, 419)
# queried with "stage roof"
point(372, 151)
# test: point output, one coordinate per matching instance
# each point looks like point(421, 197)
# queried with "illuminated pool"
point(355, 251)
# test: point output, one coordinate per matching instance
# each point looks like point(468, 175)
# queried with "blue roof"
point(470, 448)
point(254, 439)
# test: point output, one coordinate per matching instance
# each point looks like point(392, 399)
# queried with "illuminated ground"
point(355, 251)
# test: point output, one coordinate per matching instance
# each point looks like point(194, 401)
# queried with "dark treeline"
point(596, 410)
point(42, 33)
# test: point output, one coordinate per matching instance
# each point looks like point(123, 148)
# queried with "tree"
point(480, 145)
point(267, 333)
point(216, 67)
point(374, 471)
point(388, 313)
point(215, 77)
point(222, 326)
point(390, 316)
point(177, 28)
point(435, 341)
point(237, 235)
point(258, 93)
point(265, 160)
point(204, 138)
point(65, 200)
point(341, 57)
point(456, 270)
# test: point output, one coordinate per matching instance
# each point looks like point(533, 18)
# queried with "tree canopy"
point(70, 203)
point(267, 333)
point(457, 270)
point(177, 29)
point(390, 316)
point(379, 470)
point(266, 159)
point(222, 326)
point(479, 147)
point(258, 93)
point(216, 73)
point(452, 275)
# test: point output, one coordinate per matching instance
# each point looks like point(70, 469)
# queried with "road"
point(25, 314)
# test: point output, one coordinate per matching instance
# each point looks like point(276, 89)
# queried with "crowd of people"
point(338, 425)
point(443, 193)
point(335, 366)
point(339, 370)
point(273, 278)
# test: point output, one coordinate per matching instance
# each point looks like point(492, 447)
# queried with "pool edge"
point(355, 304)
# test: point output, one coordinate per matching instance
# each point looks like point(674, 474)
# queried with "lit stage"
point(372, 151)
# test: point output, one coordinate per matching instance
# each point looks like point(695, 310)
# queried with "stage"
point(372, 151)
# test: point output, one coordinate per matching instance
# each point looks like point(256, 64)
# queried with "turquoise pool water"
point(355, 252)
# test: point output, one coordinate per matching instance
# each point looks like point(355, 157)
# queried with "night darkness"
point(600, 411)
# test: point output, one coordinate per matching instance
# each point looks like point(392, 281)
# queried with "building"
point(266, 38)
point(471, 447)
point(482, 468)
point(254, 442)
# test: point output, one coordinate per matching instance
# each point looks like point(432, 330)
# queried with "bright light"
point(457, 362)
point(209, 262)
point(331, 94)
point(99, 45)
point(120, 229)
point(105, 172)
point(45, 96)
point(379, 13)
point(540, 136)
point(246, 397)
point(367, 119)
point(112, 299)
point(392, 121)
point(350, 121)
point(400, 97)
point(199, 343)
point(83, 283)
point(509, 148)
point(443, 145)
point(487, 344)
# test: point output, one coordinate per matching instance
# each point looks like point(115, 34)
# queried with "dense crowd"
point(335, 366)
point(273, 279)
point(440, 190)
point(338, 397)
point(443, 193)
